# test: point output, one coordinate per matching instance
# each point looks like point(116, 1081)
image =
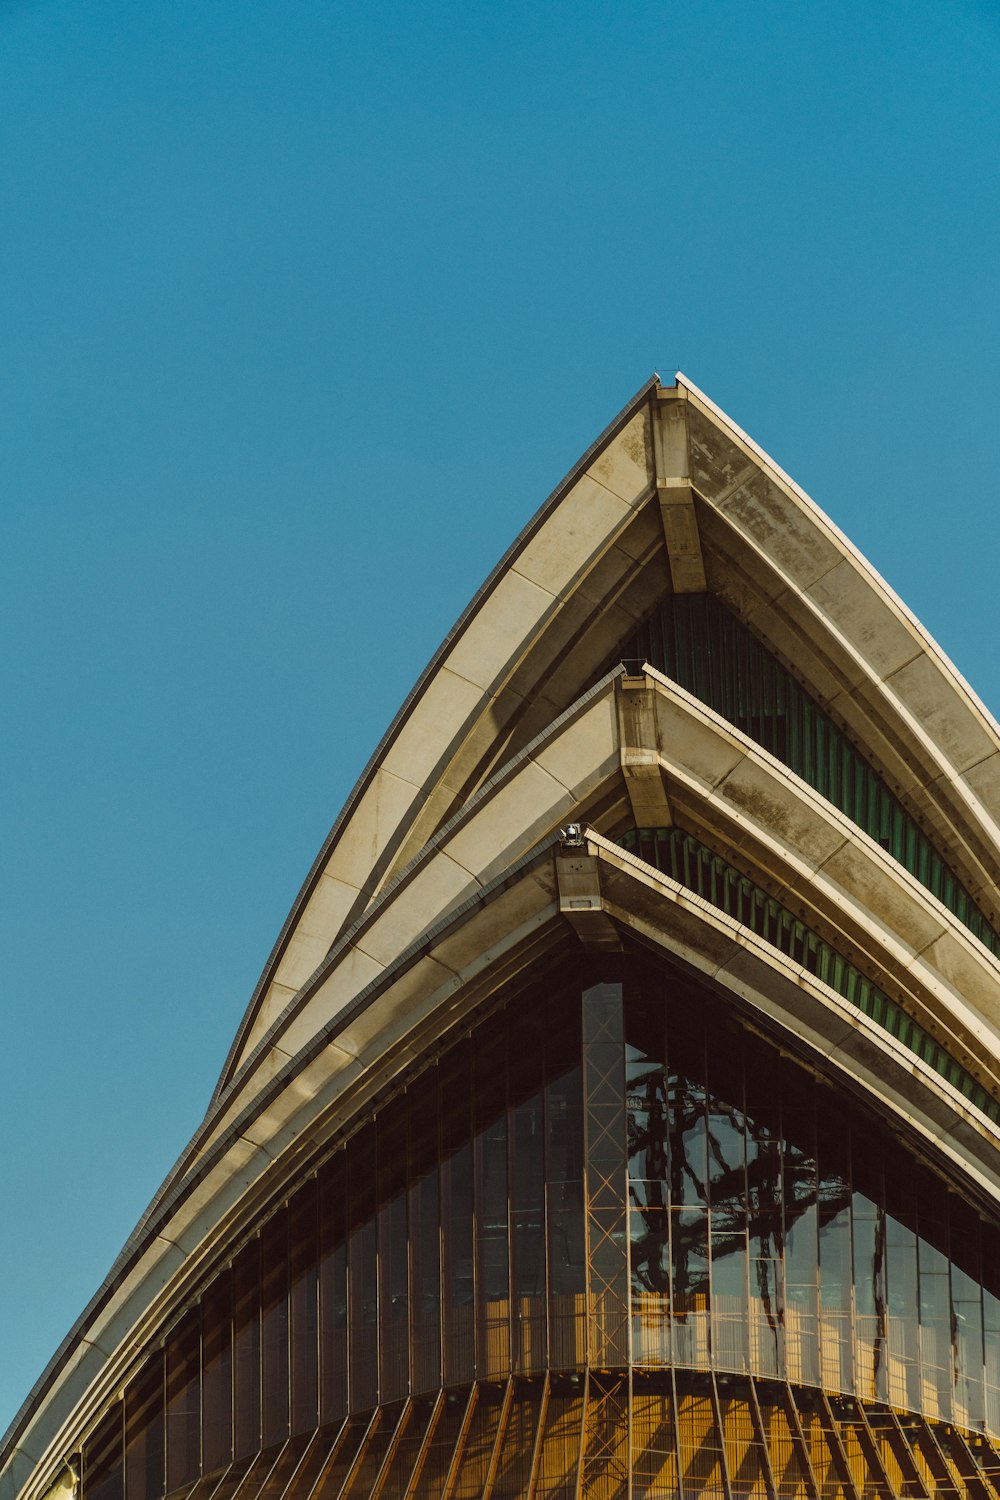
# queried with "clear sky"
point(305, 309)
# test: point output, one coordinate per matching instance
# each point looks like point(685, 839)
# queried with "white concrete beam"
point(580, 900)
point(676, 497)
point(642, 765)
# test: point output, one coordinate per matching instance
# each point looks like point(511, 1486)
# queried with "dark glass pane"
point(734, 1190)
point(440, 1449)
point(456, 1216)
point(345, 1451)
point(217, 1373)
point(688, 1160)
point(362, 1260)
point(493, 1332)
point(519, 1438)
point(104, 1458)
point(332, 1183)
point(232, 1478)
point(313, 1462)
point(303, 1306)
point(274, 1329)
point(902, 1330)
point(606, 1168)
point(255, 1476)
point(425, 1233)
point(144, 1440)
point(991, 1325)
point(408, 1447)
point(690, 1305)
point(246, 1351)
point(836, 1271)
point(647, 1117)
point(564, 1177)
point(393, 1291)
point(183, 1387)
point(527, 1187)
point(801, 1228)
point(284, 1471)
point(374, 1452)
point(869, 1266)
point(967, 1313)
point(478, 1443)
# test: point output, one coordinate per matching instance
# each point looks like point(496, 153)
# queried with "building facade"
point(618, 1113)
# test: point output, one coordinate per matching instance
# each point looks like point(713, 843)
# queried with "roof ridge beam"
point(676, 496)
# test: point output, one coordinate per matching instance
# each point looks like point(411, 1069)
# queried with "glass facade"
point(700, 644)
point(777, 1231)
point(609, 1242)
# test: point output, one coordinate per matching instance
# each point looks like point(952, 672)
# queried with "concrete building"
point(617, 1113)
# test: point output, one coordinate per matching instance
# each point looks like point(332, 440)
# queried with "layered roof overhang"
point(446, 877)
point(672, 494)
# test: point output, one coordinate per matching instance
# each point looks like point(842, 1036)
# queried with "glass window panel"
point(330, 1484)
point(517, 1451)
point(732, 1329)
point(801, 1227)
point(869, 1266)
point(477, 1445)
point(967, 1312)
point(274, 1329)
point(933, 1270)
point(104, 1458)
point(690, 1304)
point(492, 1202)
point(144, 1433)
point(246, 1351)
point(408, 1447)
point(903, 1336)
point(836, 1271)
point(440, 1450)
point(564, 1178)
point(425, 1237)
point(217, 1373)
point(688, 1164)
point(527, 1188)
point(183, 1398)
point(332, 1187)
point(456, 1217)
point(726, 1122)
point(393, 1291)
point(935, 1331)
point(362, 1262)
point(767, 1302)
point(647, 1115)
point(649, 1234)
point(303, 1307)
point(374, 1452)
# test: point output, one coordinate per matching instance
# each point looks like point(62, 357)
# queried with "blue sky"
point(305, 309)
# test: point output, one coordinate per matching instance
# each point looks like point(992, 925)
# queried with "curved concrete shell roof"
point(445, 876)
point(671, 484)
